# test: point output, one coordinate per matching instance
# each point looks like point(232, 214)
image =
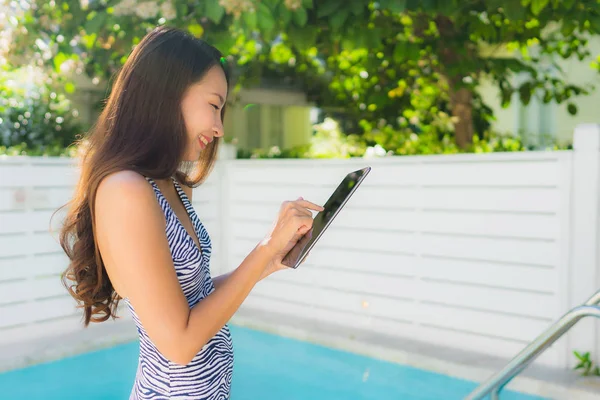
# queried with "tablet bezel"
point(304, 252)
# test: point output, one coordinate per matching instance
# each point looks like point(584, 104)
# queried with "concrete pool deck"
point(537, 380)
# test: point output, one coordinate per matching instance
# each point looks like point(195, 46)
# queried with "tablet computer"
point(323, 219)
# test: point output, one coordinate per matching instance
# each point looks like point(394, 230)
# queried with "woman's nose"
point(218, 129)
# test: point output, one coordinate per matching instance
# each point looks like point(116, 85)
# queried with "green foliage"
point(431, 141)
point(374, 60)
point(328, 141)
point(385, 140)
point(53, 150)
point(410, 57)
point(586, 365)
point(33, 115)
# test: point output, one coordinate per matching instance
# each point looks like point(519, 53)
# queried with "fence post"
point(228, 153)
point(584, 276)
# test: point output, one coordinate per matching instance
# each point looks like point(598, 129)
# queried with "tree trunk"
point(462, 111)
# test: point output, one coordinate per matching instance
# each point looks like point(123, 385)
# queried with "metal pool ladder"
point(496, 382)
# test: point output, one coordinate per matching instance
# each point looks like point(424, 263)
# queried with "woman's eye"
point(216, 107)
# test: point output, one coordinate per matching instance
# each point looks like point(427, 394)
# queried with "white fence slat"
point(350, 281)
point(41, 329)
point(23, 290)
point(364, 261)
point(512, 173)
point(22, 221)
point(279, 174)
point(491, 299)
point(23, 313)
point(30, 267)
point(490, 249)
point(500, 325)
point(21, 244)
point(488, 273)
point(477, 198)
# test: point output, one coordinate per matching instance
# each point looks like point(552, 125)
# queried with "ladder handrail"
point(496, 382)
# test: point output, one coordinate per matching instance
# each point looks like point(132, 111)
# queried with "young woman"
point(131, 232)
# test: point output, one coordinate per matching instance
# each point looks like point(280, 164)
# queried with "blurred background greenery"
point(387, 77)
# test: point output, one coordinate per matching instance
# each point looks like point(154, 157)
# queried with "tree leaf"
point(224, 43)
point(428, 5)
point(357, 7)
point(265, 18)
point(568, 27)
point(354, 39)
point(182, 9)
point(250, 19)
point(302, 38)
point(372, 38)
point(413, 51)
point(95, 22)
point(594, 22)
point(58, 60)
point(396, 6)
point(214, 11)
point(196, 29)
point(537, 6)
point(399, 51)
point(300, 17)
point(514, 10)
point(69, 87)
point(328, 7)
point(572, 108)
point(271, 4)
point(308, 4)
point(339, 18)
point(525, 93)
point(285, 15)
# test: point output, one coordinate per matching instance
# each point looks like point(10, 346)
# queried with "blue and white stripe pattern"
point(208, 375)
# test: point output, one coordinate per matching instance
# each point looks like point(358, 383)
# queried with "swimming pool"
point(267, 367)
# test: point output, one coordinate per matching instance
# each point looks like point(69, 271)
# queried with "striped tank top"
point(208, 375)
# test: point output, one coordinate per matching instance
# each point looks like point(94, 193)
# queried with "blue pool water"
point(267, 367)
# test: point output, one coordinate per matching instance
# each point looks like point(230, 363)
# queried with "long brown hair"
point(142, 129)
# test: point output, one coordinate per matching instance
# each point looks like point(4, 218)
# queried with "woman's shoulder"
point(124, 177)
point(123, 189)
point(125, 180)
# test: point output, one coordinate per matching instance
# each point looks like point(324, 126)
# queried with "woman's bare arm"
point(131, 235)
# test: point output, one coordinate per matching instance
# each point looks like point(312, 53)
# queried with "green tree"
point(400, 63)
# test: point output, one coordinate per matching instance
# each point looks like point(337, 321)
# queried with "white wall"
point(478, 252)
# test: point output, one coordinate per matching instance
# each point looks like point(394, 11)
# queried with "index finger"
point(309, 205)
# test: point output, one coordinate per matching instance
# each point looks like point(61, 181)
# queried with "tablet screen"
point(322, 220)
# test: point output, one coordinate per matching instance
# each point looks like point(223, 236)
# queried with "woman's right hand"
point(293, 221)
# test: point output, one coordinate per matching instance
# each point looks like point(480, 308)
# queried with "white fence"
point(476, 252)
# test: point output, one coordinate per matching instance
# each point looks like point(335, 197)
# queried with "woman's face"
point(201, 107)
